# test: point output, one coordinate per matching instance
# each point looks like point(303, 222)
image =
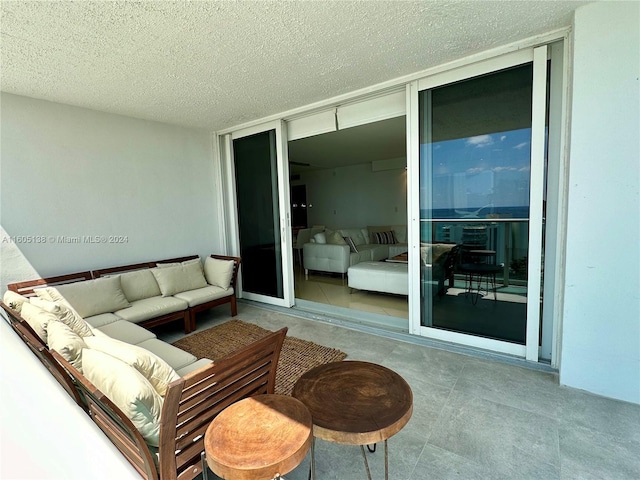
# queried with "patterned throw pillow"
point(386, 238)
point(352, 246)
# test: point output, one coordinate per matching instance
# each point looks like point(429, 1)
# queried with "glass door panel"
point(475, 182)
point(261, 210)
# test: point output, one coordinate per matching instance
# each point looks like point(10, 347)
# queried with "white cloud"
point(503, 138)
point(521, 145)
point(480, 141)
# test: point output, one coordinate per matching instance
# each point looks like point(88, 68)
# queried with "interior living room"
point(323, 168)
point(352, 178)
point(142, 133)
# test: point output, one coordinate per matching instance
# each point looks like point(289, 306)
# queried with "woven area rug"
point(296, 358)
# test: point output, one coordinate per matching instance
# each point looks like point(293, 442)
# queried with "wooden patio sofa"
point(187, 316)
point(190, 403)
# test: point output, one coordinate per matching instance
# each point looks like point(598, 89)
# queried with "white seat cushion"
point(194, 366)
point(97, 321)
point(175, 357)
point(127, 332)
point(148, 308)
point(203, 295)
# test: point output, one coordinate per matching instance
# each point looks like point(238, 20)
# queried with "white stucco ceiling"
point(216, 64)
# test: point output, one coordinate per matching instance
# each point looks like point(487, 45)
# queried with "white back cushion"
point(158, 372)
point(14, 300)
point(128, 389)
point(139, 284)
point(37, 318)
point(93, 297)
point(66, 342)
point(179, 278)
point(66, 314)
point(218, 272)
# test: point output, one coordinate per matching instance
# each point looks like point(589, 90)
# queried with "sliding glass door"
point(263, 229)
point(481, 135)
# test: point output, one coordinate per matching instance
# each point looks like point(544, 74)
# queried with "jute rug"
point(296, 358)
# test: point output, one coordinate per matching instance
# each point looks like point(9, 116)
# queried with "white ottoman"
point(387, 277)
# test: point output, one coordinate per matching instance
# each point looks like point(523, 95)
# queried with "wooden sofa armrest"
point(193, 401)
point(113, 422)
point(26, 288)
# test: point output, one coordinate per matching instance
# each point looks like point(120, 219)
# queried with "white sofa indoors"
point(335, 251)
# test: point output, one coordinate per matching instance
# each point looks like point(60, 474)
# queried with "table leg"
point(386, 461)
point(366, 463)
point(205, 471)
point(312, 462)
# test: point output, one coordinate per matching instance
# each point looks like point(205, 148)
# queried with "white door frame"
point(284, 206)
point(538, 56)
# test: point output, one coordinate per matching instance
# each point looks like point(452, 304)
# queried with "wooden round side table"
point(355, 403)
point(257, 438)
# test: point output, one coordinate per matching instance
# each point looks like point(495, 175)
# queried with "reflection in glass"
point(258, 214)
point(475, 159)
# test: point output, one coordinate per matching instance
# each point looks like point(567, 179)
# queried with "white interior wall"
point(355, 196)
point(601, 320)
point(70, 173)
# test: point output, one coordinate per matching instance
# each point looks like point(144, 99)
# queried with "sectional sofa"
point(148, 294)
point(153, 400)
point(335, 251)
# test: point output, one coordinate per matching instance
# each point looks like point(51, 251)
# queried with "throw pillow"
point(179, 278)
point(66, 314)
point(139, 284)
point(219, 272)
point(173, 264)
point(153, 368)
point(14, 300)
point(352, 245)
point(334, 238)
point(386, 238)
point(93, 297)
point(320, 237)
point(37, 318)
point(373, 229)
point(128, 389)
point(66, 342)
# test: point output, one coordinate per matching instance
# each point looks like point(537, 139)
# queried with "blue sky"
point(476, 171)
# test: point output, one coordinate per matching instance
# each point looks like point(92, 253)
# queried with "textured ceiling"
point(218, 64)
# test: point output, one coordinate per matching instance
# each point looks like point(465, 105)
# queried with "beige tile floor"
point(333, 290)
point(474, 417)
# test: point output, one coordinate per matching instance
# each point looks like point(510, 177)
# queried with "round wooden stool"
point(261, 437)
point(355, 403)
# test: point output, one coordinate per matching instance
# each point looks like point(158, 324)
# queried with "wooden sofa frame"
point(187, 316)
point(190, 403)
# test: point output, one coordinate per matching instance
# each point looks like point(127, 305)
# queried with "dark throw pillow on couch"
point(386, 238)
point(352, 246)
